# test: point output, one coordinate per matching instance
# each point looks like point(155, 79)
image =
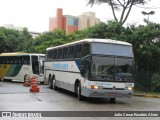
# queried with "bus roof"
point(93, 40)
point(19, 54)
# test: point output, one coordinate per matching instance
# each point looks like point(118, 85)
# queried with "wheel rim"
point(78, 92)
point(53, 83)
point(49, 82)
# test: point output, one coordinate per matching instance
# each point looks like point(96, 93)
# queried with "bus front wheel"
point(79, 92)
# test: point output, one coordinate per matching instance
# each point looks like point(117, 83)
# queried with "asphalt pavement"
point(15, 97)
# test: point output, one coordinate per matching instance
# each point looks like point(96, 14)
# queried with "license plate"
point(112, 94)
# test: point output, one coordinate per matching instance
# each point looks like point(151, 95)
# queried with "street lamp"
point(148, 13)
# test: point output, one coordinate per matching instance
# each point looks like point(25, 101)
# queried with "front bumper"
point(108, 93)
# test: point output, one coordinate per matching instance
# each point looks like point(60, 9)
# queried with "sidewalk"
point(146, 95)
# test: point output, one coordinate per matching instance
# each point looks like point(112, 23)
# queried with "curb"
point(143, 95)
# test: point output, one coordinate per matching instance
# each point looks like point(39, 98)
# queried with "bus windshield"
point(110, 68)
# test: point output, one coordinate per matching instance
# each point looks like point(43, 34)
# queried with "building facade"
point(63, 22)
point(71, 23)
point(86, 20)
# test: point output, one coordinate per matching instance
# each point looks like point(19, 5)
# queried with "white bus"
point(91, 68)
point(15, 66)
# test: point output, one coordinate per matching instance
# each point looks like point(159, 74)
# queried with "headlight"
point(130, 88)
point(95, 87)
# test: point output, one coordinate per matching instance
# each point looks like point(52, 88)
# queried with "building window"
point(72, 21)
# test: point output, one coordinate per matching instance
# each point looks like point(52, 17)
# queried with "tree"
point(10, 39)
point(50, 39)
point(26, 42)
point(124, 6)
point(2, 42)
point(97, 31)
point(15, 41)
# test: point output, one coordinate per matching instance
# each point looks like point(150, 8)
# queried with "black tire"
point(5, 80)
point(112, 100)
point(25, 78)
point(79, 92)
point(50, 82)
point(42, 83)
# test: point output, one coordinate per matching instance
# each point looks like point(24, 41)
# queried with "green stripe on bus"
point(13, 70)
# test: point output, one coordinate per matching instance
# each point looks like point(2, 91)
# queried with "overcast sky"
point(34, 14)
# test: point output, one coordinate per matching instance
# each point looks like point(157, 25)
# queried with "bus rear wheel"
point(50, 83)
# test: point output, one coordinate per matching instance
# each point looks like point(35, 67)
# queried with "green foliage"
point(97, 31)
point(2, 42)
point(114, 31)
point(50, 39)
point(15, 41)
point(26, 43)
point(155, 83)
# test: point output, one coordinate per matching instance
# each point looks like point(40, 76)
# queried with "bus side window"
point(65, 51)
point(7, 60)
point(71, 52)
point(15, 60)
point(55, 54)
point(51, 54)
point(12, 60)
point(53, 57)
point(48, 55)
point(78, 51)
point(26, 59)
point(86, 49)
point(3, 60)
point(59, 55)
point(18, 60)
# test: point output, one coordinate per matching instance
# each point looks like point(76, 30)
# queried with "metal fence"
point(144, 81)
